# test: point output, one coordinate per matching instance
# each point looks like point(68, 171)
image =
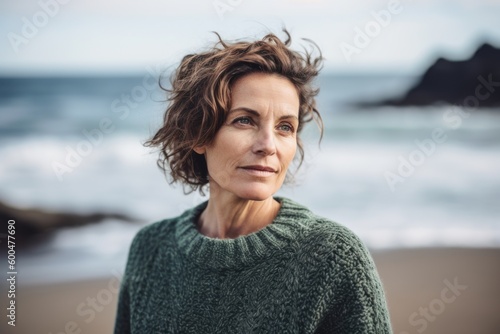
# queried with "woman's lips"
point(259, 170)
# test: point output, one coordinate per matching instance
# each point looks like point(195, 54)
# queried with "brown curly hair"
point(200, 97)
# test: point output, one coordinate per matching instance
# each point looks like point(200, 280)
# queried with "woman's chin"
point(252, 191)
point(256, 193)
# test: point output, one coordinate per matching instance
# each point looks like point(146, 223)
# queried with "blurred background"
point(410, 98)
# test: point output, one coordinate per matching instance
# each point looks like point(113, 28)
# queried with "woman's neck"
point(230, 217)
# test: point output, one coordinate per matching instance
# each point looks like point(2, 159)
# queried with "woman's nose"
point(265, 142)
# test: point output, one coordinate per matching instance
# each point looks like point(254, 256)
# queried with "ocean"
point(398, 177)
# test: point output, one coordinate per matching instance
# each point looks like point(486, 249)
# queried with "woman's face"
point(251, 152)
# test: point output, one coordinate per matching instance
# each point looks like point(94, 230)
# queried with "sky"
point(75, 37)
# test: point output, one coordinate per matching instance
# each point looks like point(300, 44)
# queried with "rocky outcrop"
point(474, 82)
point(32, 225)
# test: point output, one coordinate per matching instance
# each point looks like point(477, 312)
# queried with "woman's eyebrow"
point(257, 114)
point(248, 110)
point(288, 117)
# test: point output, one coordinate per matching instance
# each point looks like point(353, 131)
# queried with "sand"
point(417, 284)
point(445, 291)
point(64, 308)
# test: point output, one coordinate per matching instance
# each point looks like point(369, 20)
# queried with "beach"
point(442, 291)
point(429, 290)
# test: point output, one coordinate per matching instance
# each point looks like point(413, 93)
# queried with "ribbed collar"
point(243, 250)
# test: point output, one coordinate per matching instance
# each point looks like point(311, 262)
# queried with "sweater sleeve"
point(123, 311)
point(355, 297)
point(122, 320)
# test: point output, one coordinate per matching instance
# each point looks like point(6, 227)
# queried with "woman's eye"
point(243, 120)
point(285, 127)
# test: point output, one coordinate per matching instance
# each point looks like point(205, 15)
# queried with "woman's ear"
point(200, 149)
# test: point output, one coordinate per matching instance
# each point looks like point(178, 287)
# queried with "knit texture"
point(300, 274)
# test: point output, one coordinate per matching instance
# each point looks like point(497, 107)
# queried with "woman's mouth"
point(259, 170)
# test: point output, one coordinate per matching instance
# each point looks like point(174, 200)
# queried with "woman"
point(245, 261)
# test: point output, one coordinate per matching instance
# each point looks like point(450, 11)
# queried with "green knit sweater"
point(299, 274)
